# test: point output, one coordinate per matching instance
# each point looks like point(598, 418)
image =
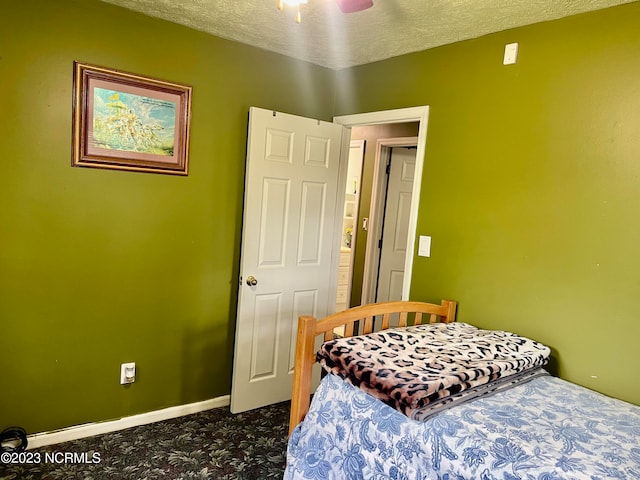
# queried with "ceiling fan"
point(346, 6)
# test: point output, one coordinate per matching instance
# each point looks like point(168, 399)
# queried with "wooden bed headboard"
point(309, 328)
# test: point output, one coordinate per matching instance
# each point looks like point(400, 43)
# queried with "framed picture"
point(129, 122)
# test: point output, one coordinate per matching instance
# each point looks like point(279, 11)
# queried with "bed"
point(500, 425)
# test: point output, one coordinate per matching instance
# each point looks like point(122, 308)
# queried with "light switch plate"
point(424, 246)
point(510, 54)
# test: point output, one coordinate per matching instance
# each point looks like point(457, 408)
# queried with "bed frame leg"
point(305, 358)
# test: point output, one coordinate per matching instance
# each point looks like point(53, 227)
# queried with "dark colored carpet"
point(209, 445)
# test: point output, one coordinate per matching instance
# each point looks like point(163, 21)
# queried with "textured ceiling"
point(332, 39)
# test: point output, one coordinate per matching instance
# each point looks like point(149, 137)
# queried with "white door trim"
point(372, 256)
point(402, 115)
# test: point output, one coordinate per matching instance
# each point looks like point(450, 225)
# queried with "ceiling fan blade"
point(350, 6)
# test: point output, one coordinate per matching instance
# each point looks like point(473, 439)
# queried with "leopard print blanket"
point(414, 367)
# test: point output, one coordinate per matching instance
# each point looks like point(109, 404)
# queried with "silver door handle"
point(252, 281)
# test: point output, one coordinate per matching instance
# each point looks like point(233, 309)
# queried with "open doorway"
point(353, 187)
point(382, 132)
point(386, 252)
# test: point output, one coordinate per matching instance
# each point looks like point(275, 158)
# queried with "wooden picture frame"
point(125, 121)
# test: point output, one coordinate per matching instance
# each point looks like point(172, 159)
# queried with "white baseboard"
point(90, 429)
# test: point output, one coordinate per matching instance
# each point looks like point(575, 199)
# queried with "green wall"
point(100, 267)
point(532, 184)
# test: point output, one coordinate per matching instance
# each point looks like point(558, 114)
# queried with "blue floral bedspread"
point(546, 429)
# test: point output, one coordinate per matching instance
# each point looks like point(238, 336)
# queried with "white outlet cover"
point(127, 373)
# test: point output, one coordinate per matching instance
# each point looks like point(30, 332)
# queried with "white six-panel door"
point(288, 233)
point(396, 224)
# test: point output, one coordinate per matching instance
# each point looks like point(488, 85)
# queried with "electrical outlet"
point(127, 373)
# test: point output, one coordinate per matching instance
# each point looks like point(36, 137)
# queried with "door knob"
point(252, 281)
